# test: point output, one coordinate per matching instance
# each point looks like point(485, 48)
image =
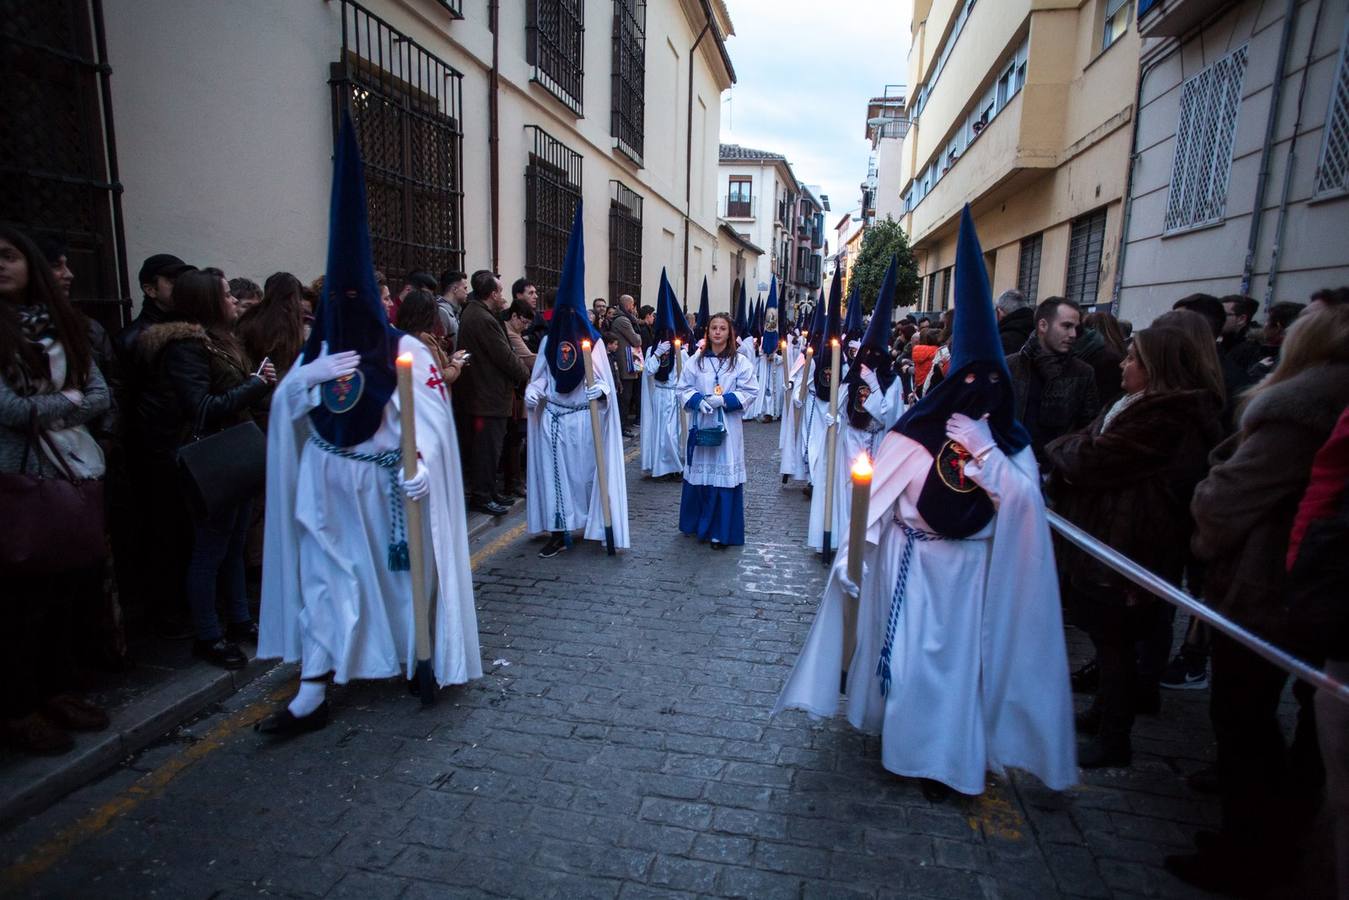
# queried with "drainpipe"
point(493, 136)
point(1277, 248)
point(1267, 151)
point(114, 176)
point(688, 148)
point(1129, 183)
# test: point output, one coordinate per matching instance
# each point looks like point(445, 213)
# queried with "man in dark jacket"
point(483, 393)
point(1237, 343)
point(1016, 320)
point(1055, 392)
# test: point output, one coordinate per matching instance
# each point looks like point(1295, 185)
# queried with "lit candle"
point(421, 601)
point(857, 524)
point(805, 372)
point(597, 434)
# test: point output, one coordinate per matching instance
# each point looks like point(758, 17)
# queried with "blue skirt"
point(713, 513)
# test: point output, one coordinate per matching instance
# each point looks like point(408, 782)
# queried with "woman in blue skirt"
point(716, 386)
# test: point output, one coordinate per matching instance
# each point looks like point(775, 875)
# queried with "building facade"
point(1241, 175)
point(887, 126)
point(482, 125)
point(1020, 108)
point(762, 200)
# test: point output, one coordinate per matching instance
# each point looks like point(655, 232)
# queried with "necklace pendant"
point(717, 390)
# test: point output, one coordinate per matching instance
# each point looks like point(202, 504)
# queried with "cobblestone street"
point(620, 745)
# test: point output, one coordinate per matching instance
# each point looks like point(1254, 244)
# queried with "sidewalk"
point(166, 688)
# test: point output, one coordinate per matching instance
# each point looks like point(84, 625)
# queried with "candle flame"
point(833, 342)
point(678, 342)
point(783, 343)
point(405, 359)
point(861, 467)
point(585, 344)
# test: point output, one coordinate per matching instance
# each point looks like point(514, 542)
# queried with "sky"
point(805, 70)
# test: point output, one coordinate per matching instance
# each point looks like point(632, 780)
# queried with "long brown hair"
point(20, 357)
point(1107, 326)
point(1199, 366)
point(200, 297)
point(1316, 338)
point(275, 327)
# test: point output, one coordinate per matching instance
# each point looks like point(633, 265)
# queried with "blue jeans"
point(217, 562)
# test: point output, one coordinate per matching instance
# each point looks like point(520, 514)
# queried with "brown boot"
point(69, 711)
point(35, 735)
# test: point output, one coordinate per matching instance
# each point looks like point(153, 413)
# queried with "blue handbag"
point(711, 437)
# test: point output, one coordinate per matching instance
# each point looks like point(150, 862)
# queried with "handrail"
point(1159, 586)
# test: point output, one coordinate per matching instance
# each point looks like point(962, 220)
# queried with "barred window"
point(405, 106)
point(556, 32)
point(944, 300)
point(552, 191)
point(931, 292)
point(1332, 172)
point(1209, 104)
point(1028, 270)
point(1085, 243)
point(625, 242)
point(629, 78)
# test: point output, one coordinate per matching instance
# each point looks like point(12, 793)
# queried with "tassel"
point(883, 672)
point(399, 561)
point(566, 539)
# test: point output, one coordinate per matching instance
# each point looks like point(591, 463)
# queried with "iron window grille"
point(625, 242)
point(1332, 171)
point(931, 292)
point(1085, 243)
point(1209, 104)
point(405, 106)
point(556, 48)
point(552, 192)
point(58, 154)
point(1028, 268)
point(628, 114)
point(945, 300)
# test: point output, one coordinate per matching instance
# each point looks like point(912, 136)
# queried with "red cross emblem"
point(436, 382)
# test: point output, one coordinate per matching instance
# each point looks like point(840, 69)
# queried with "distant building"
point(1022, 110)
point(887, 126)
point(1230, 91)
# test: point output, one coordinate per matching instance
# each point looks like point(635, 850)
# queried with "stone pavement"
point(620, 745)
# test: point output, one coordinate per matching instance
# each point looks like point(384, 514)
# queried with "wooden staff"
point(423, 678)
point(599, 452)
point(857, 541)
point(683, 413)
point(835, 352)
point(801, 393)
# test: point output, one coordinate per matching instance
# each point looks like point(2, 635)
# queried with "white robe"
point(722, 466)
point(768, 372)
point(662, 434)
point(564, 482)
point(329, 599)
point(791, 431)
point(885, 410)
point(979, 665)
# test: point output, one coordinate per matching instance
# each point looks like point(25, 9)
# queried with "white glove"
point(328, 367)
point(533, 397)
point(594, 392)
point(972, 434)
point(716, 401)
point(705, 408)
point(870, 379)
point(830, 420)
point(419, 485)
point(797, 402)
point(854, 346)
point(849, 587)
point(662, 348)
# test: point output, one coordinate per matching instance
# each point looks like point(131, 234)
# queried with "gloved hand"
point(797, 402)
point(972, 434)
point(419, 485)
point(716, 401)
point(663, 348)
point(849, 587)
point(830, 420)
point(870, 380)
point(705, 408)
point(533, 397)
point(594, 392)
point(328, 367)
point(854, 346)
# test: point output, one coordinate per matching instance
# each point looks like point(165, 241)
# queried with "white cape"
point(567, 483)
point(329, 599)
point(791, 429)
point(979, 663)
point(662, 432)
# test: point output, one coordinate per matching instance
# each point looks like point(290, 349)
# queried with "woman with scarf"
point(48, 382)
point(1127, 479)
point(717, 385)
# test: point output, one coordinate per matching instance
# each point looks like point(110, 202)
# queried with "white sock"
point(308, 699)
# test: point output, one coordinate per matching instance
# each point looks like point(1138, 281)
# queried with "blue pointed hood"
point(741, 320)
point(704, 314)
point(350, 315)
point(874, 352)
point(756, 328)
point(771, 333)
point(852, 325)
point(670, 324)
point(831, 327)
point(976, 384)
point(570, 324)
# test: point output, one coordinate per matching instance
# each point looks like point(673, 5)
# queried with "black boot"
point(284, 723)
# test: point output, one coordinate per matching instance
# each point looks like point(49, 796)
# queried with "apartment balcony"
point(1172, 18)
point(738, 209)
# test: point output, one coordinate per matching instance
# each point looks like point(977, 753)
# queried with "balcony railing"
point(739, 209)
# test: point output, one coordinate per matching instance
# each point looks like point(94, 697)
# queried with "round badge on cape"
point(341, 394)
point(950, 465)
point(566, 355)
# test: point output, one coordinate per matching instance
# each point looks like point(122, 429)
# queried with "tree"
point(881, 241)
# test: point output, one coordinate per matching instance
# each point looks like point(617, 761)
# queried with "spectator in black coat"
point(1016, 320)
point(1054, 392)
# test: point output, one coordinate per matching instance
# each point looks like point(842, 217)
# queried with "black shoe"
point(935, 791)
point(555, 545)
point(1186, 673)
point(491, 508)
point(1102, 753)
point(220, 652)
point(242, 632)
point(1087, 679)
point(514, 492)
point(284, 723)
point(1088, 721)
point(506, 500)
point(718, 545)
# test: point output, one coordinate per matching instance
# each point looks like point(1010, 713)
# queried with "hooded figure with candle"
point(791, 431)
point(565, 490)
point(768, 370)
point(819, 420)
point(337, 590)
point(957, 658)
point(662, 433)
